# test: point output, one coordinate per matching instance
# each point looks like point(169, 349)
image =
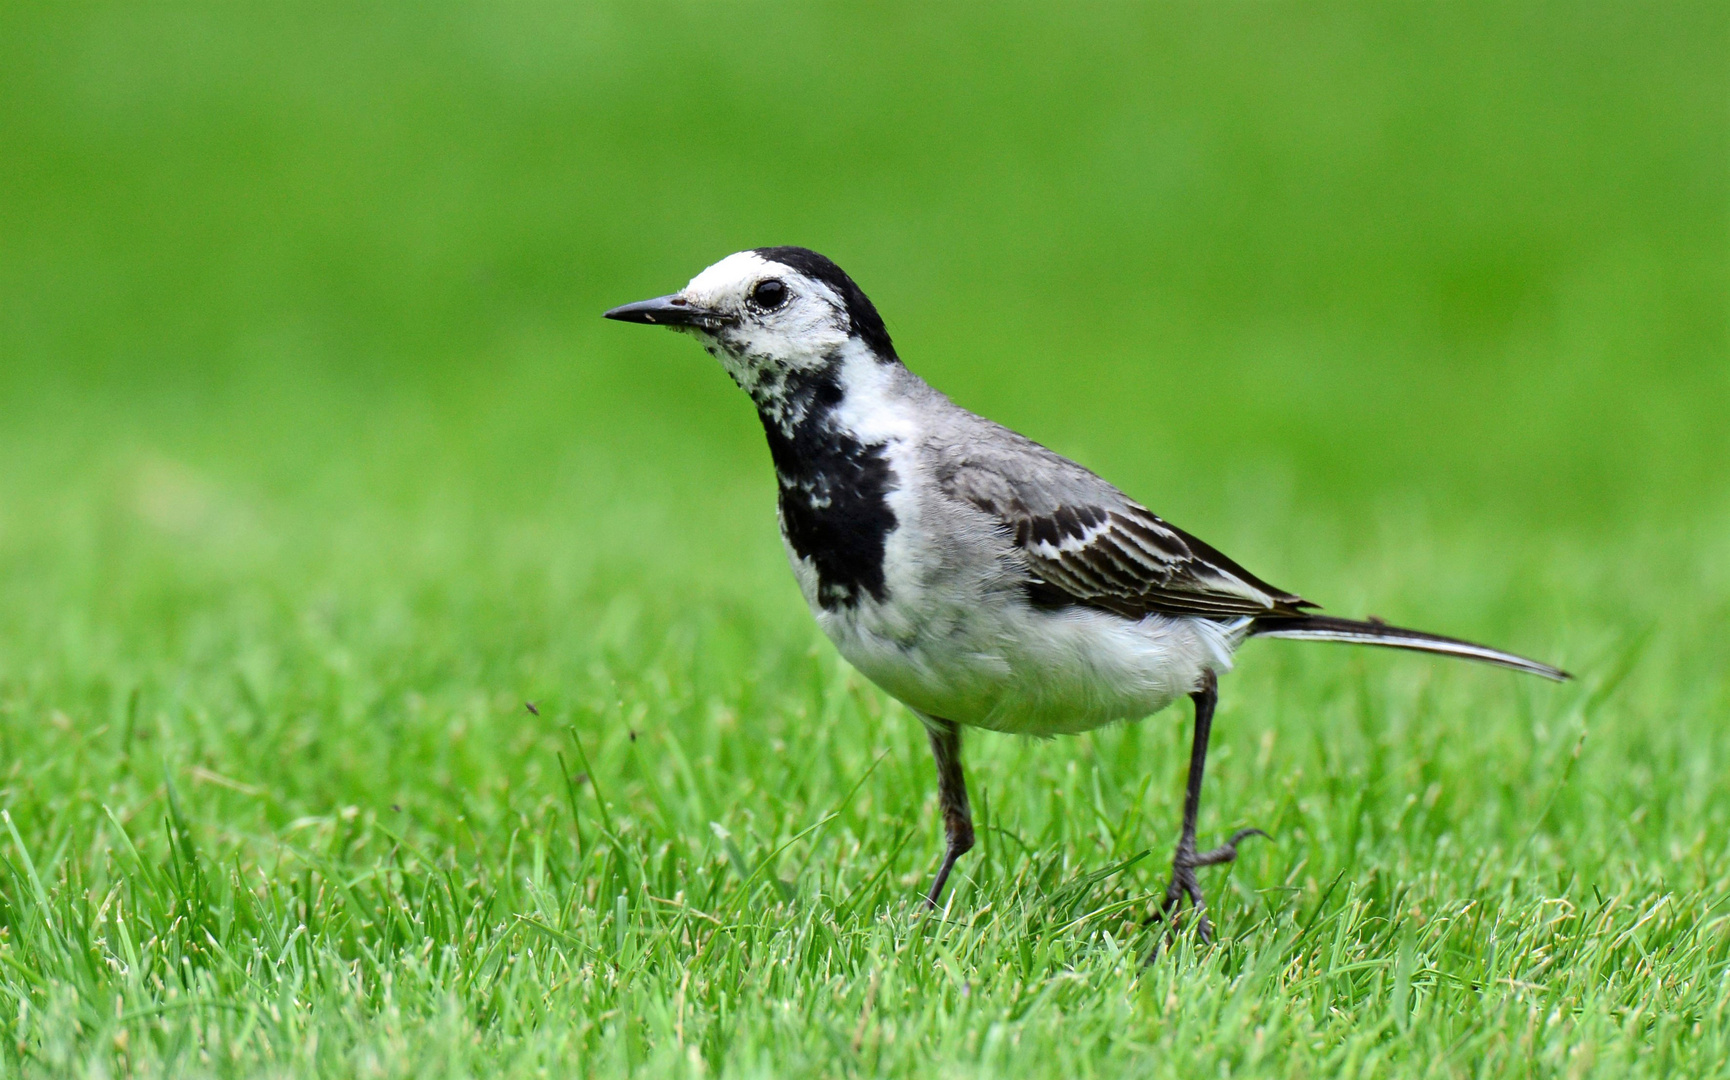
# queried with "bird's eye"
point(769, 295)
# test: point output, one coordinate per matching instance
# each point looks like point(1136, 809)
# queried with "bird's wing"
point(1087, 543)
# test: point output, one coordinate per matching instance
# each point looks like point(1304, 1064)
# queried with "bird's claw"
point(1184, 883)
point(1224, 853)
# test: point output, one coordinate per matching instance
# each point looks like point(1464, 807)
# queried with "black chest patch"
point(834, 510)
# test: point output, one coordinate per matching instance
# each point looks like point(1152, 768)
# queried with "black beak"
point(672, 310)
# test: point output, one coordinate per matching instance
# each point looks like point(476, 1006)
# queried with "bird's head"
point(775, 317)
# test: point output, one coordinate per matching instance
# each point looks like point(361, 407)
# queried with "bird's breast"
point(836, 518)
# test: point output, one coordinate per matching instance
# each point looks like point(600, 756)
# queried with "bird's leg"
point(951, 798)
point(1187, 859)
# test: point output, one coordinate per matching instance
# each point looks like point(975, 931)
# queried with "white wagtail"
point(967, 570)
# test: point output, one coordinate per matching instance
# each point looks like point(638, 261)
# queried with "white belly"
point(1038, 672)
point(976, 653)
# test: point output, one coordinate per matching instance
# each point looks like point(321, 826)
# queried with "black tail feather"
point(1351, 631)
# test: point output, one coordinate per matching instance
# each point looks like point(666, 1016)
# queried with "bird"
point(979, 578)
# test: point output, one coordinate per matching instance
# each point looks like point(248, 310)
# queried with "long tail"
point(1328, 628)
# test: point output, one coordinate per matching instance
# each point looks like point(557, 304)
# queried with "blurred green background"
point(1454, 259)
point(316, 458)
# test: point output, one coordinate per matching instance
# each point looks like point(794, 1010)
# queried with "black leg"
point(951, 798)
point(1187, 859)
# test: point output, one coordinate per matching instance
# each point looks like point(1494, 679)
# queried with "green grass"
point(318, 465)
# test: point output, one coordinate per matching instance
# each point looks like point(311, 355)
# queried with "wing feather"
point(1086, 543)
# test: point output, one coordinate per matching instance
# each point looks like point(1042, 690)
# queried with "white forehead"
point(732, 273)
point(738, 272)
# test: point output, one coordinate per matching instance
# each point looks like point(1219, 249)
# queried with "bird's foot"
point(1184, 884)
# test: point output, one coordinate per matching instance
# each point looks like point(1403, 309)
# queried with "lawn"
point(399, 670)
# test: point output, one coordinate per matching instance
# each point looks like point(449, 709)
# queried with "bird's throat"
point(834, 488)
